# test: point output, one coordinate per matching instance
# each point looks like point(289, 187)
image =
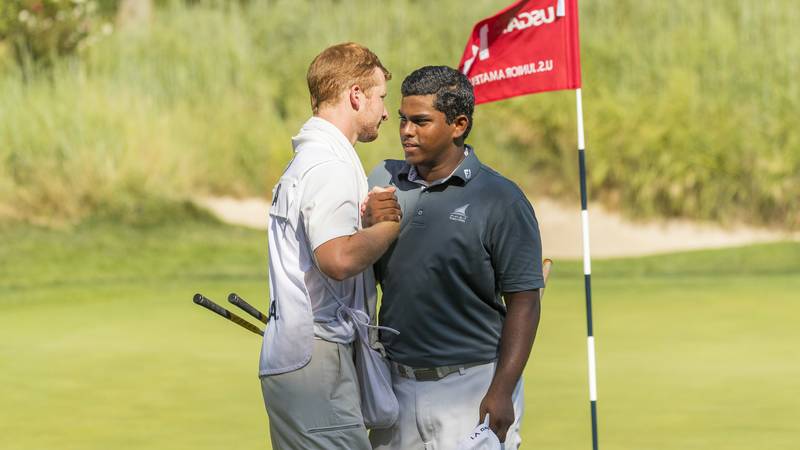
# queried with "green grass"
point(689, 106)
point(102, 348)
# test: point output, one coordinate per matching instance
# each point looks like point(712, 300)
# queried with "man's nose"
point(385, 115)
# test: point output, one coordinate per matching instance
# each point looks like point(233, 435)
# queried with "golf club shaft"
point(211, 306)
point(247, 307)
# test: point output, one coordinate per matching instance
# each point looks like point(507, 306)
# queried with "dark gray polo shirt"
point(464, 240)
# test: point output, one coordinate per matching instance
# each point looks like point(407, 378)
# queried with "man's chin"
point(368, 136)
point(412, 159)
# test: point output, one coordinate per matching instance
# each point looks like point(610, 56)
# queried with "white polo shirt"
point(316, 199)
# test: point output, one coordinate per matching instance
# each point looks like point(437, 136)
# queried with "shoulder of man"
point(503, 190)
point(385, 172)
point(313, 155)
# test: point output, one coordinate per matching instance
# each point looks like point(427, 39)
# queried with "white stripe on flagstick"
point(592, 371)
point(587, 260)
point(579, 102)
point(560, 12)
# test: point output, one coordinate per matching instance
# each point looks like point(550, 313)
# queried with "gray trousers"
point(436, 415)
point(317, 406)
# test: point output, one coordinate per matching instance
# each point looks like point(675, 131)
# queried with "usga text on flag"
point(512, 72)
point(533, 18)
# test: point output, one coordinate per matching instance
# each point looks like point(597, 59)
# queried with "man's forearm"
point(348, 256)
point(516, 340)
point(369, 244)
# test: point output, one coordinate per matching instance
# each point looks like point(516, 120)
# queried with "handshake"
point(380, 206)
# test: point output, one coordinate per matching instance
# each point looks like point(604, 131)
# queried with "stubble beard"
point(369, 134)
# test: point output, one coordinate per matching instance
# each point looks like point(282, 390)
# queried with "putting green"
point(101, 346)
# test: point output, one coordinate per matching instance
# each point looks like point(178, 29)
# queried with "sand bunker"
point(610, 234)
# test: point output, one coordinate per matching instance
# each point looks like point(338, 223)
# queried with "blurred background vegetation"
point(114, 109)
point(121, 112)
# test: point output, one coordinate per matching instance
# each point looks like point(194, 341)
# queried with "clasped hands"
point(380, 206)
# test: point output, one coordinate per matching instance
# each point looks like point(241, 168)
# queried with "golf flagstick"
point(211, 306)
point(587, 270)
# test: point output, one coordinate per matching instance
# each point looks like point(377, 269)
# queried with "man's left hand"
point(500, 408)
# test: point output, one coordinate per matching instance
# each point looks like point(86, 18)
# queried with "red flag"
point(531, 46)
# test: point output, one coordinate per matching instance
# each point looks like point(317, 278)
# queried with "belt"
point(432, 373)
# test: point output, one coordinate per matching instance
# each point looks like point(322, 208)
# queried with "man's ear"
point(356, 96)
point(460, 125)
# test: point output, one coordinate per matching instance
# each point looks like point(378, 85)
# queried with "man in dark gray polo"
point(461, 283)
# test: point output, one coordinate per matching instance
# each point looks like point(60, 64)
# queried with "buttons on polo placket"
point(419, 215)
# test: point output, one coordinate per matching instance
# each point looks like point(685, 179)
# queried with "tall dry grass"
point(689, 107)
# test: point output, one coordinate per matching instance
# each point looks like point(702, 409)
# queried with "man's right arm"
point(341, 249)
point(347, 256)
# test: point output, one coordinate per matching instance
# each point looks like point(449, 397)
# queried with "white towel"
point(481, 438)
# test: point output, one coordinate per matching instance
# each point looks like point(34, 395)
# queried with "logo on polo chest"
point(459, 214)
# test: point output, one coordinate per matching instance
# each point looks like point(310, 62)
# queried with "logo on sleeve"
point(459, 214)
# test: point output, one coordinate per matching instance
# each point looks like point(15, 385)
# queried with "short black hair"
point(454, 94)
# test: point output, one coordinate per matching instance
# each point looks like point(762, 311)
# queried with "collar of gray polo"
point(465, 171)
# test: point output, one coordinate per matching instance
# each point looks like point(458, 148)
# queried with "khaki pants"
point(435, 415)
point(318, 406)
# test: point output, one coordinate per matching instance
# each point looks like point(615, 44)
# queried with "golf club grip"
point(547, 264)
point(211, 306)
point(247, 307)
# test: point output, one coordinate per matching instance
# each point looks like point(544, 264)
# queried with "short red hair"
point(338, 68)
